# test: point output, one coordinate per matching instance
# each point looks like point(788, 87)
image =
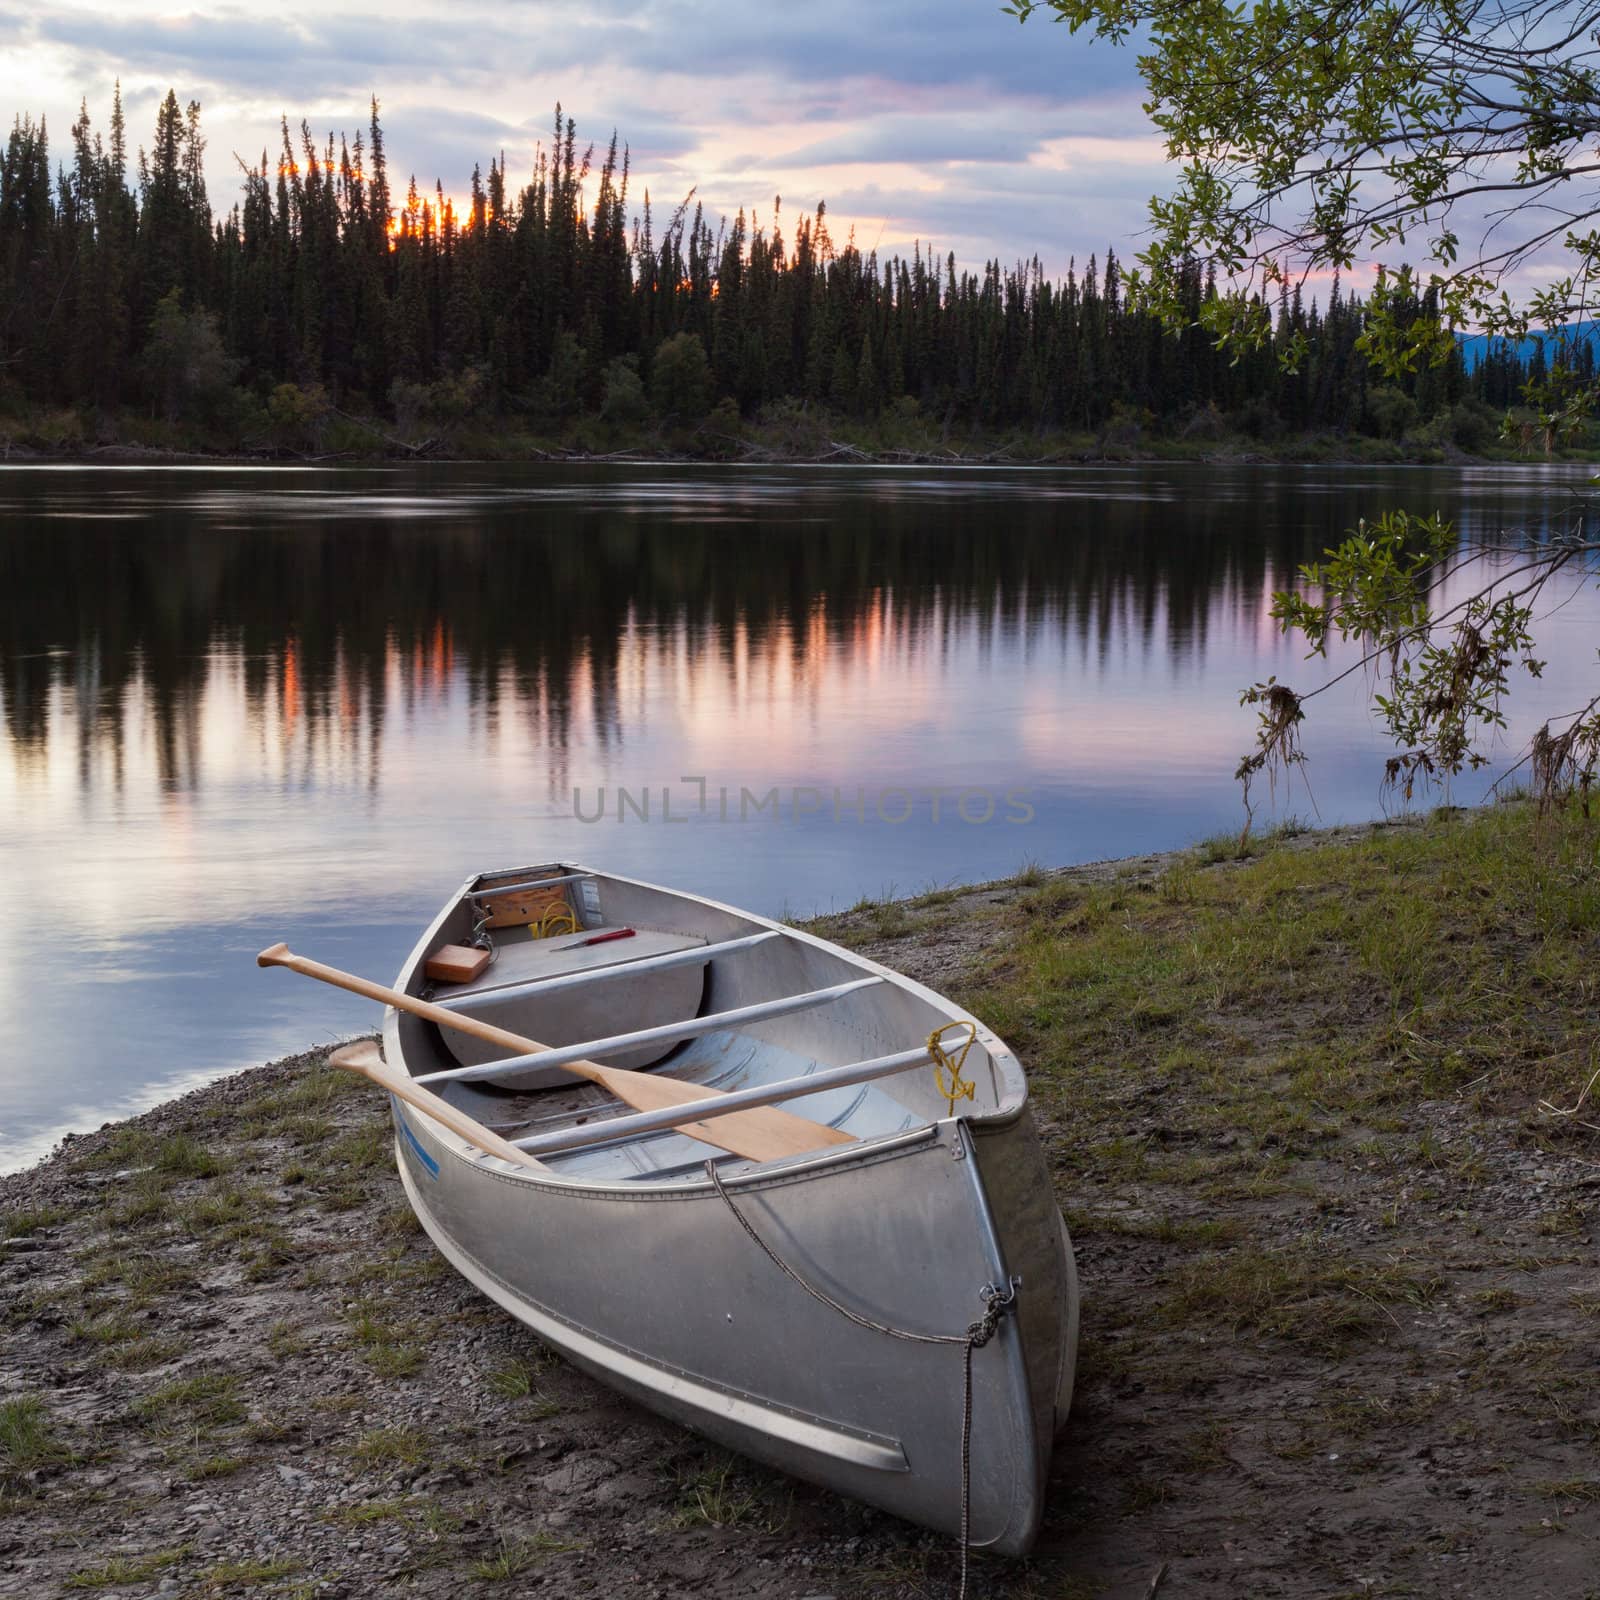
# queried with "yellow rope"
point(558, 919)
point(947, 1066)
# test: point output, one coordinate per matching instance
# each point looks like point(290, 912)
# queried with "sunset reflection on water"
point(243, 706)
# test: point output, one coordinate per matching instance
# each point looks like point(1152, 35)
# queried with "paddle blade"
point(763, 1134)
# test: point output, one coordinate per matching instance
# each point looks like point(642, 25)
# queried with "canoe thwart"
point(766, 1094)
point(693, 1028)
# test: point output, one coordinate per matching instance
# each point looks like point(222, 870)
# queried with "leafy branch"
point(1310, 137)
point(1440, 674)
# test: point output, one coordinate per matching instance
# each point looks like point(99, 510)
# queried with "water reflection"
point(243, 705)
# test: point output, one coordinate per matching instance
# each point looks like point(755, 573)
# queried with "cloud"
point(961, 137)
point(941, 116)
point(916, 139)
point(926, 43)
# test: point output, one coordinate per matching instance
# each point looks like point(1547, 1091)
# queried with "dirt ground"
point(1358, 1360)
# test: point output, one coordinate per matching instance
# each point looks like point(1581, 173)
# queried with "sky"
point(942, 121)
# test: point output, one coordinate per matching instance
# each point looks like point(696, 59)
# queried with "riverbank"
point(1338, 1258)
point(797, 439)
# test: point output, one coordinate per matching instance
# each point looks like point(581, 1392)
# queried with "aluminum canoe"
point(619, 1249)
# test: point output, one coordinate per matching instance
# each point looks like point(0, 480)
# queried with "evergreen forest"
point(333, 307)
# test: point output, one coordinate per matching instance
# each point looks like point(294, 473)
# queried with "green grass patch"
point(517, 1556)
point(1307, 1295)
point(722, 1493)
point(142, 1275)
point(181, 1156)
point(198, 1404)
point(284, 1340)
point(344, 1196)
point(369, 1149)
point(392, 1348)
point(391, 1447)
point(1570, 1491)
point(122, 1570)
point(402, 1220)
point(140, 1355)
point(142, 1199)
point(229, 1576)
point(513, 1381)
point(226, 1209)
point(1498, 1299)
point(114, 1328)
point(367, 1512)
point(1290, 993)
point(20, 1223)
point(28, 1440)
point(303, 1109)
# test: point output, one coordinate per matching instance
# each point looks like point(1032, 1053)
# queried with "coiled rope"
point(559, 918)
point(947, 1064)
point(996, 1303)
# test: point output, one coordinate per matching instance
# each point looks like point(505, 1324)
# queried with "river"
point(240, 705)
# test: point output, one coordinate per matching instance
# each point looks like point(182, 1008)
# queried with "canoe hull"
point(660, 1293)
point(641, 1273)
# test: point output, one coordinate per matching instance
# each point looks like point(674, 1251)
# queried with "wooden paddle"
point(367, 1059)
point(766, 1134)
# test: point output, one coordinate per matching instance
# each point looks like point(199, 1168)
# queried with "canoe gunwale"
point(1012, 1102)
point(761, 1175)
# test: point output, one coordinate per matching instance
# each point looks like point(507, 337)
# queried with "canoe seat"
point(589, 1011)
point(520, 960)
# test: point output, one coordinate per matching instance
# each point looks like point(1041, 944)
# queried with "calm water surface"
point(238, 706)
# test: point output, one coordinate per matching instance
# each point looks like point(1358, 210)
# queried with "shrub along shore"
point(788, 434)
point(1315, 1115)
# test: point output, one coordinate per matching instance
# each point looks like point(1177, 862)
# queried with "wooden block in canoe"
point(455, 963)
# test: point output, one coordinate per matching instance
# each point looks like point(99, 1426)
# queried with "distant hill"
point(1475, 346)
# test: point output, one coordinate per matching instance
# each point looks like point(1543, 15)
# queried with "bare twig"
point(389, 439)
point(1572, 1111)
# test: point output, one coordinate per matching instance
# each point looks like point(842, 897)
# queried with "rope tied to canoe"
point(996, 1303)
point(947, 1065)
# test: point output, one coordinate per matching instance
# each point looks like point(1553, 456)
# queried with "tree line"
point(325, 291)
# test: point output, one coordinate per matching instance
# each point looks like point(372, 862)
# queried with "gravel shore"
point(234, 1365)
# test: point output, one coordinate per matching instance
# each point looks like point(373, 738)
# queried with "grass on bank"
point(28, 1438)
point(121, 1571)
point(1210, 1048)
point(1284, 996)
